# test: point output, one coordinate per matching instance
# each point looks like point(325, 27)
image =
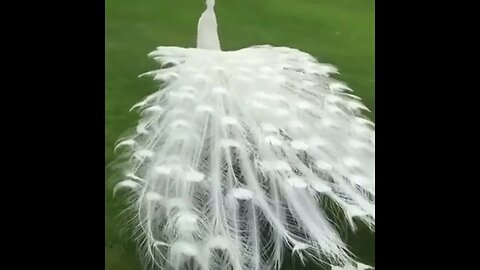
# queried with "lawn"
point(340, 32)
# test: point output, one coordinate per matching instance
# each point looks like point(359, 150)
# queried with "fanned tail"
point(232, 159)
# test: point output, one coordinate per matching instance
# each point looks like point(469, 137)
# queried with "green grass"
point(340, 32)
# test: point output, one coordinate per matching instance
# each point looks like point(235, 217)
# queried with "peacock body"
point(234, 158)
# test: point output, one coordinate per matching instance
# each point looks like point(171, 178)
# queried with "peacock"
point(241, 155)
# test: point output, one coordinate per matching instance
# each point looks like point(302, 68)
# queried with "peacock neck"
point(207, 33)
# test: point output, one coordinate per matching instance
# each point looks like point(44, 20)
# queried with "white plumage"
point(234, 157)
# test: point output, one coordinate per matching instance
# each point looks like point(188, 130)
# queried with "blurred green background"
point(340, 32)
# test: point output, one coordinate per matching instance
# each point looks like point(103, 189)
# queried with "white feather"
point(232, 156)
